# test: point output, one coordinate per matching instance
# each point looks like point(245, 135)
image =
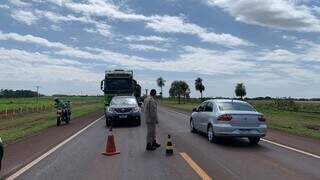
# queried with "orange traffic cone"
point(110, 146)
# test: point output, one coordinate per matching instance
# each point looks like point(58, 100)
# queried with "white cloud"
point(289, 37)
point(103, 29)
point(54, 17)
point(102, 8)
point(279, 14)
point(55, 27)
point(279, 55)
point(32, 39)
point(98, 28)
point(18, 3)
point(148, 38)
point(26, 66)
point(173, 24)
point(143, 47)
point(26, 17)
point(165, 24)
point(4, 6)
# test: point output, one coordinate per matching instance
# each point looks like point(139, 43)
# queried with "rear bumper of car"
point(133, 117)
point(231, 131)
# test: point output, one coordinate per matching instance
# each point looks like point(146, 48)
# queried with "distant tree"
point(161, 83)
point(9, 93)
point(240, 90)
point(199, 86)
point(171, 93)
point(178, 89)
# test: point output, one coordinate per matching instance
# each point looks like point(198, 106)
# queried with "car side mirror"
point(194, 110)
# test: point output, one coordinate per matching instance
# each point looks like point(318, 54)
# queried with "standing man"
point(151, 116)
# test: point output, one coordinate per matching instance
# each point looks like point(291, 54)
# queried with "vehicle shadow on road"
point(238, 143)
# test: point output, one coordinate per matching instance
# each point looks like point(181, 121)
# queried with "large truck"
point(119, 82)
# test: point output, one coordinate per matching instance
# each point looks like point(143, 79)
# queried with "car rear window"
point(235, 106)
point(123, 101)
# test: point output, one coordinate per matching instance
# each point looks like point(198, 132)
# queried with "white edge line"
point(272, 142)
point(291, 148)
point(36, 161)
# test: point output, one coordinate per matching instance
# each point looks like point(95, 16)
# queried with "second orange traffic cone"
point(110, 146)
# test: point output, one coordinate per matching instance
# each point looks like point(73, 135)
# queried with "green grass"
point(288, 121)
point(10, 103)
point(32, 123)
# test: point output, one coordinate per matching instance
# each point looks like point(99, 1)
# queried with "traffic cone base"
point(110, 154)
point(169, 147)
point(110, 146)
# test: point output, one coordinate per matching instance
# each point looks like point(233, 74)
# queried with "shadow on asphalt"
point(239, 143)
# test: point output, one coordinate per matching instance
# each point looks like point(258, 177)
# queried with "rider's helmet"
point(55, 99)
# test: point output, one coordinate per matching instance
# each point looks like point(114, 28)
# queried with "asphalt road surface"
point(194, 157)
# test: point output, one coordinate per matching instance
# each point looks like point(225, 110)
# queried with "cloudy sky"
point(64, 46)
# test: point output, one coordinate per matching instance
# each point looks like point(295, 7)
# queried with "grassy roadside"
point(29, 124)
point(299, 123)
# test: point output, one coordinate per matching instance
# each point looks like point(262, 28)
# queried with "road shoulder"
point(24, 151)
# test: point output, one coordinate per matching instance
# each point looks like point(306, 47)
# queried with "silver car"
point(228, 118)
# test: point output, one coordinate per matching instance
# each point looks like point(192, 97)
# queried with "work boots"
point(155, 144)
point(150, 147)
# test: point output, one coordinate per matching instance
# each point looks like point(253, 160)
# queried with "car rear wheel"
point(210, 133)
point(192, 129)
point(138, 123)
point(254, 140)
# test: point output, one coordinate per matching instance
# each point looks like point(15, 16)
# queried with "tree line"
point(181, 89)
point(9, 93)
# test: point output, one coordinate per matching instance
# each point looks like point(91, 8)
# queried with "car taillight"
point(224, 117)
point(262, 119)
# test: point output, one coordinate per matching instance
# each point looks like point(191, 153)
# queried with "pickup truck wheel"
point(254, 140)
point(108, 123)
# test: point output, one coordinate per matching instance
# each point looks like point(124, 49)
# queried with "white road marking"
point(36, 161)
point(271, 142)
point(291, 148)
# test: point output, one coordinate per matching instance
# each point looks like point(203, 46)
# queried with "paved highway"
point(80, 157)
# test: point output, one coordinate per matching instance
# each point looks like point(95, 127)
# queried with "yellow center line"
point(195, 167)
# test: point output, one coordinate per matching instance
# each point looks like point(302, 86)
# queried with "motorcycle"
point(63, 115)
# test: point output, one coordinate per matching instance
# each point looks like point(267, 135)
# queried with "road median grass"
point(12, 129)
point(299, 123)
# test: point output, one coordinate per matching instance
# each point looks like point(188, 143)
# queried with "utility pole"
point(146, 92)
point(37, 93)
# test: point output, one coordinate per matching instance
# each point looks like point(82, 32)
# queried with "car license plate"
point(123, 116)
point(245, 131)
